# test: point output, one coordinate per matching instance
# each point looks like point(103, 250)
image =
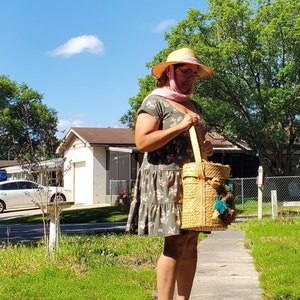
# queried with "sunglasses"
point(187, 70)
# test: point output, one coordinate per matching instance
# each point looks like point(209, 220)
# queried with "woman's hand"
point(189, 120)
point(148, 136)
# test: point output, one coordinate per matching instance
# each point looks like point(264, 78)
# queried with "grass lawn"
point(85, 215)
point(275, 248)
point(84, 267)
point(121, 266)
point(112, 266)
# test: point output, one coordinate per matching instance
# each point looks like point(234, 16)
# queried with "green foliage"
point(89, 215)
point(253, 47)
point(146, 86)
point(275, 247)
point(107, 266)
point(116, 266)
point(104, 266)
point(27, 126)
point(248, 207)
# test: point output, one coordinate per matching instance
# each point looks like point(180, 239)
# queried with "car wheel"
point(58, 198)
point(2, 206)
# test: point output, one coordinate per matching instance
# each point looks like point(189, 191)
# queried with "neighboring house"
point(7, 163)
point(50, 171)
point(241, 159)
point(94, 157)
point(4, 164)
point(95, 160)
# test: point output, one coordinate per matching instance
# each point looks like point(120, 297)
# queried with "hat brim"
point(203, 71)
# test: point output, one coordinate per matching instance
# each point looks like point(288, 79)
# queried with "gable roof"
point(96, 136)
point(105, 136)
point(218, 141)
point(124, 137)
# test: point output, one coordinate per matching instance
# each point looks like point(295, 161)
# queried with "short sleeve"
point(153, 105)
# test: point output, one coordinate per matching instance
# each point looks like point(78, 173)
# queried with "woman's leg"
point(167, 266)
point(187, 268)
point(169, 263)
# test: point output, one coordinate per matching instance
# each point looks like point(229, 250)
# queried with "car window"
point(9, 186)
point(25, 185)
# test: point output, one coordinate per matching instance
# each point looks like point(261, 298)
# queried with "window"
point(119, 165)
point(25, 185)
point(9, 186)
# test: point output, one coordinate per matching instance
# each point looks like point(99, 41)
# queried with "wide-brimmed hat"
point(182, 56)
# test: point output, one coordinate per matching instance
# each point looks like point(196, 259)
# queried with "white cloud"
point(162, 26)
point(72, 121)
point(79, 44)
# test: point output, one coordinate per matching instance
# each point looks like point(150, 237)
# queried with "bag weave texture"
point(198, 194)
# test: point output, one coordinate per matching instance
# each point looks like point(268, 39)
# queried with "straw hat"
point(182, 56)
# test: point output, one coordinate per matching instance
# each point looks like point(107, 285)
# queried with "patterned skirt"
point(157, 203)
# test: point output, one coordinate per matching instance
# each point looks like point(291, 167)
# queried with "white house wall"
point(99, 175)
point(14, 173)
point(78, 173)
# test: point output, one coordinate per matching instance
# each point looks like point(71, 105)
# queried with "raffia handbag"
point(200, 192)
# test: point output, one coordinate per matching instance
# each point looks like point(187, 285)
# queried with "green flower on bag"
point(220, 206)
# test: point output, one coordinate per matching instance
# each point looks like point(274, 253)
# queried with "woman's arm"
point(148, 136)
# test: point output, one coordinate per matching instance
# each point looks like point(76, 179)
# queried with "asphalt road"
point(14, 233)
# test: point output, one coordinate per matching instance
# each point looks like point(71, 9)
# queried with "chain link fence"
point(287, 189)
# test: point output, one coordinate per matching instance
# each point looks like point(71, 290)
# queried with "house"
point(7, 163)
point(99, 164)
point(93, 158)
point(243, 162)
point(50, 171)
point(3, 165)
point(97, 160)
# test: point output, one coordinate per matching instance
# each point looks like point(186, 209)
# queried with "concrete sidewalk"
point(225, 269)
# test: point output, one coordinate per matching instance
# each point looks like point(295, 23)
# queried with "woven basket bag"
point(198, 194)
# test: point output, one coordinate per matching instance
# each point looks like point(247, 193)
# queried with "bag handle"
point(195, 144)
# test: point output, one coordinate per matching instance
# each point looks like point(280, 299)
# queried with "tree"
point(27, 134)
point(27, 126)
point(254, 49)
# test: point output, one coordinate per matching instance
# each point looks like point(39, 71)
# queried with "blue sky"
point(85, 57)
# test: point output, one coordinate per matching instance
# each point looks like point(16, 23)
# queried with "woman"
point(161, 132)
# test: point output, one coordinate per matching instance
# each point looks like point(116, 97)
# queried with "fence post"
point(259, 192)
point(242, 192)
point(110, 192)
point(274, 204)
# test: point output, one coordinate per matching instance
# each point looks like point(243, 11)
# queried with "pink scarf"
point(174, 92)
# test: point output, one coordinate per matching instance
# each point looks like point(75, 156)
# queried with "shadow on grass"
point(85, 215)
point(96, 215)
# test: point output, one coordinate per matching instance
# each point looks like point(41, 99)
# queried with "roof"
point(217, 140)
point(96, 136)
point(123, 137)
point(105, 136)
point(8, 163)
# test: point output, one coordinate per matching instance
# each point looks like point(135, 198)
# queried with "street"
point(14, 233)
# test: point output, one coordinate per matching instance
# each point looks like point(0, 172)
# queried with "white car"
point(25, 194)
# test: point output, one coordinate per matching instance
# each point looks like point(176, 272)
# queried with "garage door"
point(80, 182)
